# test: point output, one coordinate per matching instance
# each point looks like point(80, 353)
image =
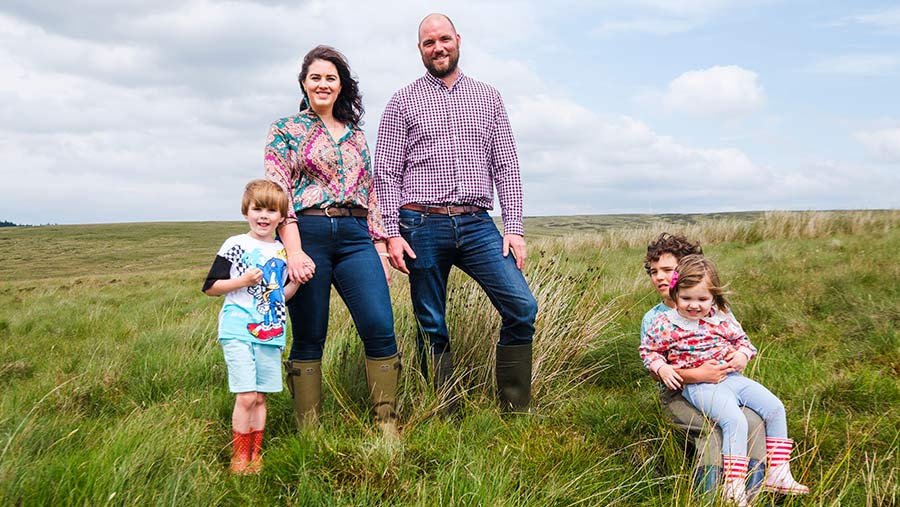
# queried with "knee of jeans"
point(734, 425)
point(776, 411)
point(525, 311)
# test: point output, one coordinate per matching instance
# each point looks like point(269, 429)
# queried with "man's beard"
point(453, 60)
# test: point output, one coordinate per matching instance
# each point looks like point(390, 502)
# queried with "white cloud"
point(869, 64)
point(661, 17)
point(574, 160)
point(654, 26)
point(721, 91)
point(135, 110)
point(693, 6)
point(883, 144)
point(106, 102)
point(887, 20)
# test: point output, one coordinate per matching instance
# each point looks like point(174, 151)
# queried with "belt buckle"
point(450, 210)
point(328, 211)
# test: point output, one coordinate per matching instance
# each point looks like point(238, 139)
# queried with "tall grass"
point(114, 390)
point(771, 225)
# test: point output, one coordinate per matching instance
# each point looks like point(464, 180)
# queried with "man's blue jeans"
point(473, 244)
point(345, 256)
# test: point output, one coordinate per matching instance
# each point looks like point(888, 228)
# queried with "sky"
point(137, 110)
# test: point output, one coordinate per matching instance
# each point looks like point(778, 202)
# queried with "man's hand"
point(669, 377)
point(517, 244)
point(396, 247)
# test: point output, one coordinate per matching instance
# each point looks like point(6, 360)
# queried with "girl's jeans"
point(722, 403)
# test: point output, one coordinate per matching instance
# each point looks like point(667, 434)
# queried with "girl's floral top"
point(684, 343)
point(318, 171)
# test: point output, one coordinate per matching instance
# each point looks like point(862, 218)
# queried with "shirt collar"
point(676, 319)
point(436, 81)
point(315, 117)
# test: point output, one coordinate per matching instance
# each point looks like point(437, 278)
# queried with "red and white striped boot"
point(734, 485)
point(778, 476)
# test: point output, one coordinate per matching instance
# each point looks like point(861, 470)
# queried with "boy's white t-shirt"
point(255, 313)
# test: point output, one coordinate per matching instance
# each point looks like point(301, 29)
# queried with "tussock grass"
point(114, 390)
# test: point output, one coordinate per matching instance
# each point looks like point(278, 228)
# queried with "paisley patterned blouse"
point(683, 343)
point(318, 171)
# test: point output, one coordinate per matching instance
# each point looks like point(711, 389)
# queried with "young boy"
point(251, 272)
point(662, 257)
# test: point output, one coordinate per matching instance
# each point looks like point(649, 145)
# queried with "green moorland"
point(114, 391)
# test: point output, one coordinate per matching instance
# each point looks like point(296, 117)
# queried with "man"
point(444, 143)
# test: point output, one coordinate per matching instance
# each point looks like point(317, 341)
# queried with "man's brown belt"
point(443, 210)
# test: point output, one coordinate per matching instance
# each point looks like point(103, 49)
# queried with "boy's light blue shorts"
point(252, 367)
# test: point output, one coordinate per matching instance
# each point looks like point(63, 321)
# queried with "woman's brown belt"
point(335, 211)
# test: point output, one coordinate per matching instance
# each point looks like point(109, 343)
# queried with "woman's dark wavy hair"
point(348, 107)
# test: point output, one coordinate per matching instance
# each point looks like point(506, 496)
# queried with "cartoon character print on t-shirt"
point(268, 294)
point(269, 298)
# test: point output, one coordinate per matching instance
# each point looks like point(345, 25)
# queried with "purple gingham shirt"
point(439, 146)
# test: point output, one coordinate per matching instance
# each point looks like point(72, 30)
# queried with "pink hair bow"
point(674, 280)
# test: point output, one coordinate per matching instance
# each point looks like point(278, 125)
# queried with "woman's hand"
point(386, 266)
point(381, 248)
point(300, 267)
point(669, 377)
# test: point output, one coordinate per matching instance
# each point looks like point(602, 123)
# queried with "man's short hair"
point(266, 194)
point(666, 243)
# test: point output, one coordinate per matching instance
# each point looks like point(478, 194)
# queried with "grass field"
point(114, 391)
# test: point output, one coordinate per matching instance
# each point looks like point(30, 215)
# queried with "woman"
point(320, 158)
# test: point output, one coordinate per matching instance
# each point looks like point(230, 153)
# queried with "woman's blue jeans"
point(345, 257)
point(473, 244)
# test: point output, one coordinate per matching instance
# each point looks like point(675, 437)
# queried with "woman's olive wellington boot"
point(304, 380)
point(383, 374)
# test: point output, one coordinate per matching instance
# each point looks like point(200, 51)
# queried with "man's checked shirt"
point(442, 146)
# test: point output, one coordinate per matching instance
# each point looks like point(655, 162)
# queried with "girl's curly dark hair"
point(348, 107)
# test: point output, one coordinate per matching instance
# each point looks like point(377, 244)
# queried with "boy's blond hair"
point(266, 194)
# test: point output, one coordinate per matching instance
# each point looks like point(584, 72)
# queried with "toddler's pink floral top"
point(684, 343)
